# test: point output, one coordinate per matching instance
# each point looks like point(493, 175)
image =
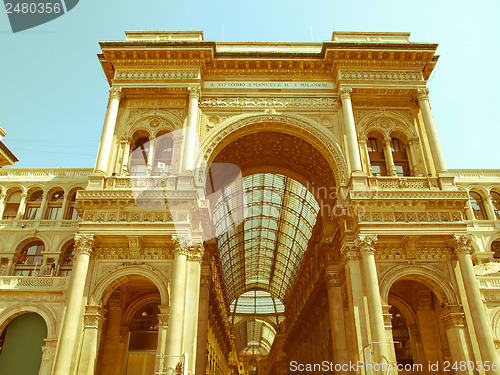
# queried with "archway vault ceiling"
point(280, 153)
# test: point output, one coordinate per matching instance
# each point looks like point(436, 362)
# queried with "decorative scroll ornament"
point(163, 320)
point(453, 316)
point(345, 93)
point(115, 93)
point(84, 243)
point(94, 316)
point(462, 244)
point(366, 244)
point(422, 94)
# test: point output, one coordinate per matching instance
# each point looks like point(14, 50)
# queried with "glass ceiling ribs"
point(254, 337)
point(264, 251)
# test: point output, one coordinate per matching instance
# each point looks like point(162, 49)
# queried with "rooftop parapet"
point(181, 36)
point(360, 37)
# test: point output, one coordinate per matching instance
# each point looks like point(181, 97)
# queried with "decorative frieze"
point(267, 102)
point(380, 75)
point(156, 74)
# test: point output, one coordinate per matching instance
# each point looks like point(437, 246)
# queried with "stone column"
point(93, 323)
point(8, 268)
point(365, 156)
point(488, 206)
point(22, 206)
point(482, 328)
point(108, 129)
point(356, 299)
point(123, 164)
point(175, 335)
point(163, 317)
point(190, 140)
point(350, 129)
point(151, 157)
point(48, 351)
point(43, 207)
point(453, 319)
point(380, 343)
point(84, 244)
point(64, 207)
point(389, 160)
point(413, 156)
point(201, 348)
point(336, 306)
point(195, 257)
point(430, 128)
point(2, 204)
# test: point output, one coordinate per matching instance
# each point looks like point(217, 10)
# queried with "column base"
point(446, 181)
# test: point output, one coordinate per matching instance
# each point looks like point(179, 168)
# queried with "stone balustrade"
point(54, 172)
point(34, 283)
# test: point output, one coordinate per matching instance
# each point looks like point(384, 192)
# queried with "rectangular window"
point(53, 213)
point(31, 213)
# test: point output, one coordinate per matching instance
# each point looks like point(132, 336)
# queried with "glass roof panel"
point(265, 252)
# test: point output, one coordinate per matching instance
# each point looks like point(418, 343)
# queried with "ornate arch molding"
point(238, 126)
point(387, 123)
point(45, 312)
point(495, 322)
point(108, 283)
point(134, 306)
point(152, 122)
point(425, 275)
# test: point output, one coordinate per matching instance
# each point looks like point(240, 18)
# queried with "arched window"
point(400, 157)
point(71, 213)
point(164, 146)
point(55, 205)
point(476, 202)
point(66, 261)
point(12, 205)
point(376, 155)
point(495, 201)
point(139, 157)
point(29, 259)
point(495, 247)
point(33, 205)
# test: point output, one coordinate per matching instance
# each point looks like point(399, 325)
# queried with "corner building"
point(255, 208)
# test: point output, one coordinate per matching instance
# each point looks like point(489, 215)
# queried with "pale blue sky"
point(53, 93)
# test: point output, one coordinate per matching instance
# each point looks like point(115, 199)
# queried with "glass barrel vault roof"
point(263, 250)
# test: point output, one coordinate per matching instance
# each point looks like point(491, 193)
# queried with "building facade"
point(255, 208)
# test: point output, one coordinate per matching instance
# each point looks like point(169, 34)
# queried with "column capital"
point(413, 141)
point(24, 195)
point(125, 140)
point(366, 243)
point(363, 139)
point(345, 93)
point(349, 252)
point(163, 320)
point(115, 93)
point(3, 195)
point(422, 94)
point(462, 244)
point(84, 243)
point(194, 91)
point(185, 245)
point(333, 279)
point(452, 316)
point(94, 316)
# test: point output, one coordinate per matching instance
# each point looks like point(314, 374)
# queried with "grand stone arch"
point(423, 274)
point(45, 312)
point(238, 126)
point(107, 284)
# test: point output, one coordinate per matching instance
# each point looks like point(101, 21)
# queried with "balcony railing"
point(33, 283)
point(476, 173)
point(402, 182)
point(8, 222)
point(489, 282)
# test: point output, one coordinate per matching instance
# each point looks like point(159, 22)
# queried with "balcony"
point(33, 283)
point(402, 182)
point(44, 173)
point(38, 224)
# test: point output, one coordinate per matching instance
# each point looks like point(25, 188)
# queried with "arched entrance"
point(265, 227)
point(130, 333)
point(21, 345)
